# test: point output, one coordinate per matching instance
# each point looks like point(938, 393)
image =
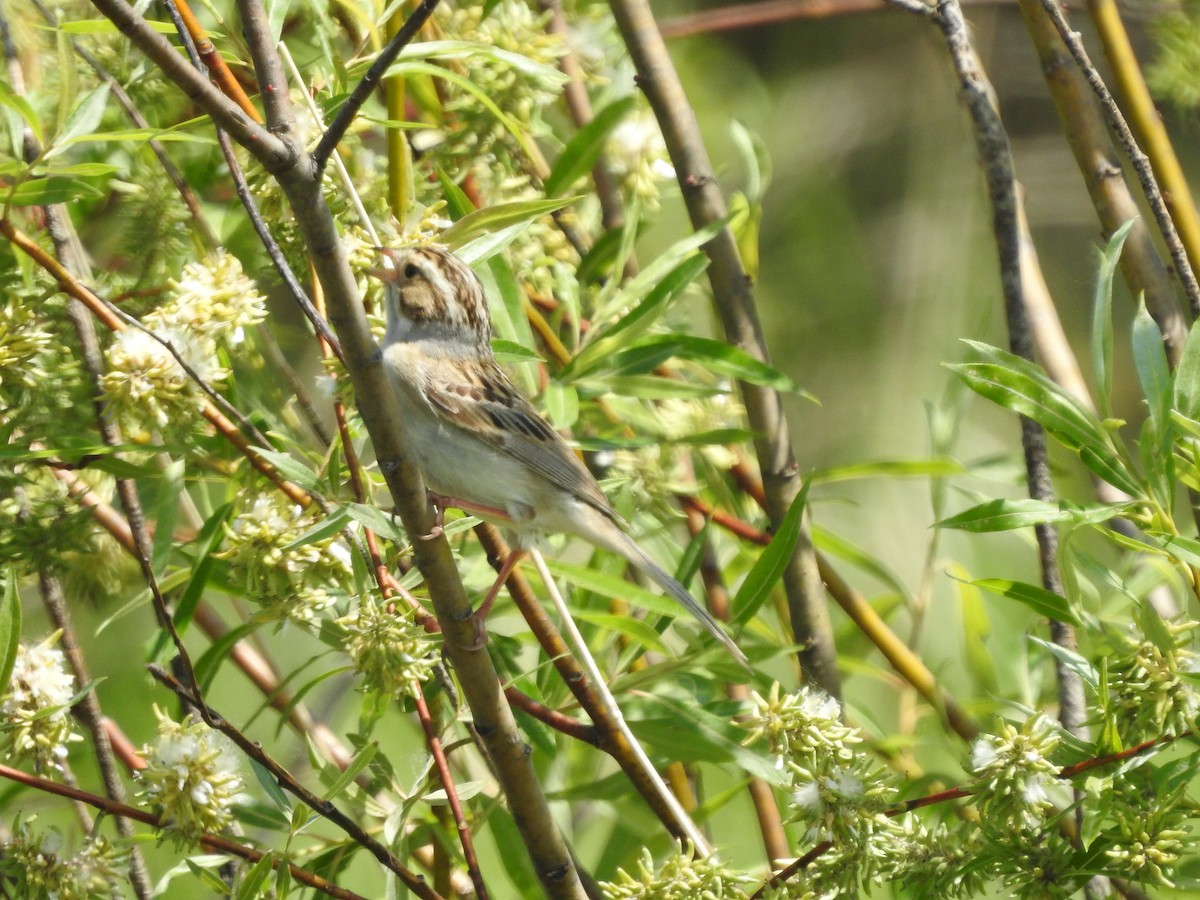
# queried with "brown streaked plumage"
point(478, 442)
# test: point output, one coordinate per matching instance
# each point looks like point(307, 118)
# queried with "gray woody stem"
point(299, 177)
point(734, 298)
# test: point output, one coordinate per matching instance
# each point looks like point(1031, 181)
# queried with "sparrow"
point(479, 443)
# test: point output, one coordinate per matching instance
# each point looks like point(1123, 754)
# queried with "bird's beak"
point(387, 273)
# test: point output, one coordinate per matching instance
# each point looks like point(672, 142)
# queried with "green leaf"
point(890, 468)
point(1043, 602)
point(406, 68)
point(511, 351)
point(637, 630)
point(1187, 376)
point(476, 50)
point(1150, 360)
point(106, 26)
point(17, 102)
point(715, 356)
point(50, 190)
point(692, 733)
point(84, 119)
point(603, 343)
point(1102, 328)
point(207, 542)
point(1072, 660)
point(379, 521)
point(1004, 515)
point(324, 528)
point(271, 787)
point(256, 877)
point(10, 628)
point(1023, 387)
point(495, 218)
point(291, 468)
point(561, 403)
point(361, 760)
point(756, 159)
point(208, 664)
point(768, 569)
point(582, 151)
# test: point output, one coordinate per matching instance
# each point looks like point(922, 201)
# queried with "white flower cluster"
point(192, 776)
point(681, 876)
point(392, 653)
point(638, 156)
point(212, 304)
point(287, 582)
point(34, 865)
point(35, 714)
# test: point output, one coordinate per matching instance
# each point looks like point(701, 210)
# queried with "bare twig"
point(995, 154)
point(288, 782)
point(345, 116)
point(213, 842)
point(734, 298)
point(1141, 164)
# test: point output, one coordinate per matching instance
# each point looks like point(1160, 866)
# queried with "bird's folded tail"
point(638, 557)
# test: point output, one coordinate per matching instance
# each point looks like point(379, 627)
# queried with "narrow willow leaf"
point(1005, 515)
point(475, 50)
point(636, 630)
point(210, 662)
point(1150, 360)
point(50, 190)
point(498, 217)
point(632, 291)
point(755, 159)
point(484, 247)
point(1102, 328)
point(325, 528)
point(10, 628)
point(716, 356)
point(290, 468)
point(361, 760)
point(207, 542)
point(379, 521)
point(838, 546)
point(582, 151)
point(1023, 387)
point(1184, 550)
point(105, 26)
point(403, 68)
point(84, 118)
point(770, 564)
point(891, 468)
point(1043, 602)
point(254, 879)
point(561, 403)
point(457, 202)
point(1187, 376)
point(511, 351)
point(1072, 660)
point(633, 324)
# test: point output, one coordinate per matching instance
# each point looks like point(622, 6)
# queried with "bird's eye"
point(412, 270)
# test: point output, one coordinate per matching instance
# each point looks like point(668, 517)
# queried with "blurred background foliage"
point(875, 259)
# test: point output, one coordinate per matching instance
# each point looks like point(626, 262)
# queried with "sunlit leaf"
point(1041, 601)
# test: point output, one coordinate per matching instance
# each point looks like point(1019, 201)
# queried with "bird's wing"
point(483, 402)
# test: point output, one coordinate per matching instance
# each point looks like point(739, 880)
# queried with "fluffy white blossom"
point(35, 713)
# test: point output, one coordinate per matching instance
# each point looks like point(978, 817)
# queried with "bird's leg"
point(439, 504)
point(510, 563)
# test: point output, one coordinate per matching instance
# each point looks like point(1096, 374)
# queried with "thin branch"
point(274, 153)
point(996, 160)
point(734, 298)
point(1141, 164)
point(345, 116)
point(288, 782)
point(1111, 195)
point(212, 842)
